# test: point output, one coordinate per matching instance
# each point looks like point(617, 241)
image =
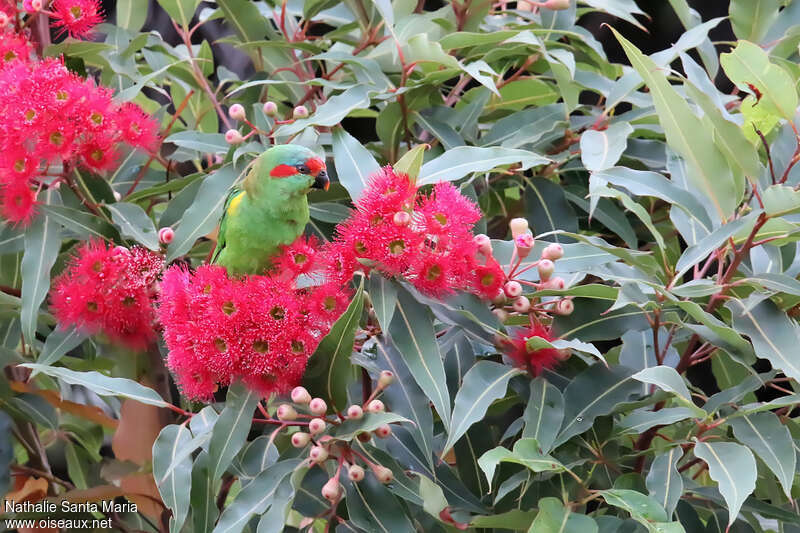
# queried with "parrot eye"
point(303, 169)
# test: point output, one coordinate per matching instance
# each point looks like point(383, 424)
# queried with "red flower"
point(14, 47)
point(297, 258)
point(17, 202)
point(77, 17)
point(137, 128)
point(535, 361)
point(109, 290)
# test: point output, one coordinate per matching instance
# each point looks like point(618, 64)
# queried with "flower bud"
point(565, 307)
point(383, 431)
point(286, 412)
point(564, 354)
point(524, 244)
point(300, 395)
point(270, 109)
point(375, 406)
point(3, 20)
point(165, 235)
point(355, 473)
point(32, 6)
point(332, 490)
point(499, 298)
point(300, 439)
point(236, 112)
point(364, 437)
point(355, 412)
point(521, 304)
point(553, 252)
point(512, 289)
point(300, 112)
point(383, 474)
point(546, 268)
point(316, 426)
point(233, 137)
point(484, 244)
point(318, 406)
point(555, 284)
point(318, 454)
point(501, 314)
point(556, 5)
point(518, 226)
point(386, 379)
point(401, 218)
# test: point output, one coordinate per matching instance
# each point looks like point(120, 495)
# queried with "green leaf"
point(462, 160)
point(547, 209)
point(595, 391)
point(411, 162)
point(685, 134)
point(668, 379)
point(553, 517)
point(780, 200)
point(544, 413)
point(231, 429)
point(204, 213)
point(771, 441)
point(331, 112)
point(58, 343)
point(329, 371)
point(245, 18)
point(774, 335)
point(173, 486)
point(526, 452)
point(514, 519)
point(663, 480)
point(624, 9)
point(180, 11)
point(484, 383)
point(36, 409)
point(696, 253)
point(640, 421)
point(102, 385)
point(373, 508)
point(353, 162)
point(751, 20)
point(82, 223)
point(134, 223)
point(642, 508)
point(6, 450)
point(130, 14)
point(602, 149)
point(749, 65)
point(718, 333)
point(203, 495)
point(254, 498)
point(205, 143)
point(412, 333)
point(733, 467)
point(42, 243)
point(350, 428)
point(383, 294)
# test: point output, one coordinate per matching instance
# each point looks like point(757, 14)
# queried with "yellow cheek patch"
point(235, 201)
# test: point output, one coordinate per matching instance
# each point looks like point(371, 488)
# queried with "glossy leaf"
point(526, 452)
point(172, 485)
point(664, 481)
point(134, 223)
point(771, 441)
point(733, 467)
point(230, 431)
point(544, 413)
point(553, 517)
point(463, 160)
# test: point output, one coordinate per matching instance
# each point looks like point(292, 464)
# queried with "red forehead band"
point(315, 165)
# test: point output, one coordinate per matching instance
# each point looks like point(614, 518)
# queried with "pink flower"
point(111, 291)
point(297, 258)
point(534, 361)
point(14, 47)
point(77, 17)
point(17, 202)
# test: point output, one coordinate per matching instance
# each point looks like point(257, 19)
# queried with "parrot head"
point(291, 170)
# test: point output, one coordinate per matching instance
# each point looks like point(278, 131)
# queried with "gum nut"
point(546, 268)
point(355, 412)
point(375, 406)
point(564, 354)
point(556, 5)
point(355, 473)
point(383, 474)
point(316, 425)
point(233, 137)
point(521, 305)
point(165, 235)
point(565, 307)
point(518, 226)
point(318, 454)
point(300, 112)
point(386, 378)
point(512, 289)
point(300, 439)
point(270, 109)
point(383, 431)
point(484, 244)
point(501, 314)
point(318, 406)
point(300, 395)
point(332, 490)
point(553, 252)
point(286, 412)
point(401, 218)
point(364, 437)
point(236, 112)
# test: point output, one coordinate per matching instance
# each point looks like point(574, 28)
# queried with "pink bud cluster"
point(259, 329)
point(238, 113)
point(109, 290)
point(54, 119)
point(424, 238)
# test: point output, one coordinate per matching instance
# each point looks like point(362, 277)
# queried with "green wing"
point(234, 192)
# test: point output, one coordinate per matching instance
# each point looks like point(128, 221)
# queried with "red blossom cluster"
point(257, 329)
point(76, 17)
point(54, 119)
point(425, 239)
point(110, 290)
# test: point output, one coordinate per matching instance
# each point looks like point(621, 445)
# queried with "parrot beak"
point(322, 181)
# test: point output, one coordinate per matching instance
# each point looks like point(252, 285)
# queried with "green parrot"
point(268, 209)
